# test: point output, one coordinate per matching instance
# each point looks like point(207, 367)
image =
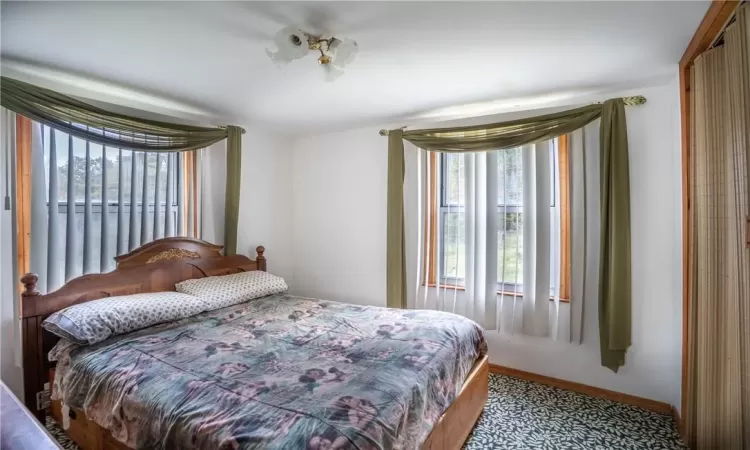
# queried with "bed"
point(275, 372)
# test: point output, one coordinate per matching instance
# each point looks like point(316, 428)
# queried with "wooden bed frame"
point(155, 267)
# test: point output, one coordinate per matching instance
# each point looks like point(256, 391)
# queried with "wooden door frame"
point(713, 23)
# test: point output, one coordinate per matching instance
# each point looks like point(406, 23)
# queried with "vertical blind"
point(91, 203)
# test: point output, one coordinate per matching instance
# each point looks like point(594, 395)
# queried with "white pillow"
point(228, 290)
point(95, 321)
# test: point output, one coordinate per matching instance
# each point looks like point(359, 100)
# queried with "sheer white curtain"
point(501, 268)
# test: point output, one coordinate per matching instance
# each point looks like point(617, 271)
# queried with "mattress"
point(280, 372)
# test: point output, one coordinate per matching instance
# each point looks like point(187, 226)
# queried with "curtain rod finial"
point(224, 127)
point(385, 132)
point(634, 101)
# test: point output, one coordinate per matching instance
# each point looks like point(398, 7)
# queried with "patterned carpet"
point(526, 415)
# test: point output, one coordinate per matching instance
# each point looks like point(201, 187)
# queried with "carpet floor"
point(522, 415)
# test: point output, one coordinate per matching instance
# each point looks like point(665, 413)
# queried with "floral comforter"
point(280, 372)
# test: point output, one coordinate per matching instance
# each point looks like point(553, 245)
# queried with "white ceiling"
point(414, 56)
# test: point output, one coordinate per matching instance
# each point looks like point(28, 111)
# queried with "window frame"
point(23, 194)
point(439, 206)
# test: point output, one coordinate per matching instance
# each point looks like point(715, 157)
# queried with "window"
point(445, 221)
point(90, 203)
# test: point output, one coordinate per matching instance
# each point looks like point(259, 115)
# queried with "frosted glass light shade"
point(291, 43)
point(343, 51)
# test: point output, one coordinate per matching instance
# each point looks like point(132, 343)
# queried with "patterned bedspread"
point(280, 372)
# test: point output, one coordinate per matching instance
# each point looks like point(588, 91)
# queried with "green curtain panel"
point(614, 251)
point(86, 121)
point(396, 254)
point(232, 199)
point(614, 283)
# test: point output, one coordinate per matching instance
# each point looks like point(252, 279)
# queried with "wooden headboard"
point(154, 267)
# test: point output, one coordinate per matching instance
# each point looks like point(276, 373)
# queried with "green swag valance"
point(614, 266)
point(75, 117)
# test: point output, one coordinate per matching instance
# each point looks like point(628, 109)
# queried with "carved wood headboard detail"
point(177, 246)
point(154, 267)
point(175, 253)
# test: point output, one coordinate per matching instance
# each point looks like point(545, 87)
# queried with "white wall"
point(338, 216)
point(265, 199)
point(339, 229)
point(10, 371)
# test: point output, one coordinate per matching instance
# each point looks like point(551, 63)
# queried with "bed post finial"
point(34, 370)
point(29, 285)
point(260, 258)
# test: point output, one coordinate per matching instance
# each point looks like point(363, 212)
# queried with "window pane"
point(127, 163)
point(510, 218)
point(95, 150)
point(509, 177)
point(510, 249)
point(61, 153)
point(454, 242)
point(162, 188)
point(79, 168)
point(454, 172)
point(113, 174)
point(151, 161)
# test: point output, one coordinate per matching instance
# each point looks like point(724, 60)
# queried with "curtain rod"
point(635, 100)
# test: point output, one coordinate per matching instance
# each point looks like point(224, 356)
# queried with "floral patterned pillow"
point(95, 321)
point(228, 290)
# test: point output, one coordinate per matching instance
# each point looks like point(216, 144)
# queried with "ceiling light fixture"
point(293, 43)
